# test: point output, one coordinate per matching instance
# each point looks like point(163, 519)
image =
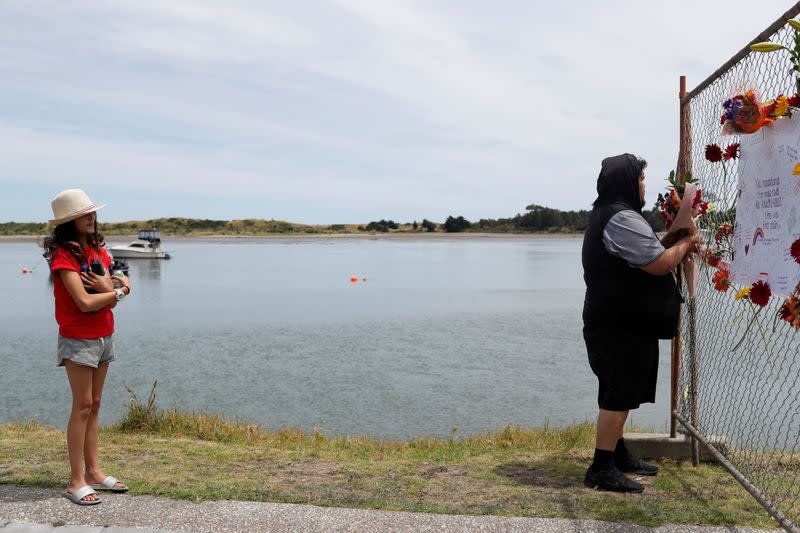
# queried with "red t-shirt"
point(72, 322)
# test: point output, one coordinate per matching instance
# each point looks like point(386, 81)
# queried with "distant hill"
point(189, 226)
point(537, 219)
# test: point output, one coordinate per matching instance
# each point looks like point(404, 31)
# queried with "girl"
point(83, 302)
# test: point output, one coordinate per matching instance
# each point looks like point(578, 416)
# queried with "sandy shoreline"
point(328, 236)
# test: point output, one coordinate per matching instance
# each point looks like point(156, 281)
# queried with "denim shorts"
point(87, 352)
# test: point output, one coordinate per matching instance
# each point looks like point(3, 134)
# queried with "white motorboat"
point(147, 247)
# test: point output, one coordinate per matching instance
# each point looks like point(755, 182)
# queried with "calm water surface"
point(469, 332)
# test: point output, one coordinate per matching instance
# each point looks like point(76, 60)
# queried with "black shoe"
point(611, 479)
point(631, 464)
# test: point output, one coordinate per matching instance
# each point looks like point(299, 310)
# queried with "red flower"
point(697, 197)
point(723, 231)
point(795, 250)
point(794, 101)
point(721, 281)
point(713, 153)
point(770, 109)
point(731, 152)
point(713, 258)
point(722, 120)
point(760, 293)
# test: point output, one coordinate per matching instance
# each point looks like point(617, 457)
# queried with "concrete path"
point(36, 510)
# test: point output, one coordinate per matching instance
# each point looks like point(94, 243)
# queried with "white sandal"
point(79, 495)
point(109, 484)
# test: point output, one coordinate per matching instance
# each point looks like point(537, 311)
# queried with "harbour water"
point(440, 332)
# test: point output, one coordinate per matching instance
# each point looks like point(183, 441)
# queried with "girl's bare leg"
point(80, 382)
point(93, 473)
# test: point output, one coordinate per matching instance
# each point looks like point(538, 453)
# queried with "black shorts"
point(626, 366)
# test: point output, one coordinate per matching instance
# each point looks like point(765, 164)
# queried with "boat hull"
point(123, 253)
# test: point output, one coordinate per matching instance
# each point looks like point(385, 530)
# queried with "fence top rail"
point(763, 36)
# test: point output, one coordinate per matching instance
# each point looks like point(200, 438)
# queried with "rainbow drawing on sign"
point(759, 233)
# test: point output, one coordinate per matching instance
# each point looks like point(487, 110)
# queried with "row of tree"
point(538, 218)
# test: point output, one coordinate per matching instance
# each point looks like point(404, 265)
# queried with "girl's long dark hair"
point(66, 236)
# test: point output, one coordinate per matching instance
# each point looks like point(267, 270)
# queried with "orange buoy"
point(353, 279)
point(25, 270)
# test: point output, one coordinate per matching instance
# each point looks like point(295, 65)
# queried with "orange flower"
point(790, 310)
point(721, 280)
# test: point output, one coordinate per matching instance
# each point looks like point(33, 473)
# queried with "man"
point(631, 302)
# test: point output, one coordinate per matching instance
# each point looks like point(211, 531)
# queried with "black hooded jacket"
point(619, 182)
point(619, 298)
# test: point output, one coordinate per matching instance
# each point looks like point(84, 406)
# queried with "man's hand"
point(694, 244)
point(670, 239)
point(673, 256)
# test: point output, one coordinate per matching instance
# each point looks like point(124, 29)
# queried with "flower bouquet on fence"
point(744, 113)
point(680, 209)
point(682, 205)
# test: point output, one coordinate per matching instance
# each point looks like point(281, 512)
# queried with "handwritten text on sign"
point(768, 207)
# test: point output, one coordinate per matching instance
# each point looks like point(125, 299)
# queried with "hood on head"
point(619, 181)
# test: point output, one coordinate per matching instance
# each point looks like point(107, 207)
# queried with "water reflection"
point(146, 269)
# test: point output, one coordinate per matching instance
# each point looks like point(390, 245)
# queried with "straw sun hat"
point(71, 204)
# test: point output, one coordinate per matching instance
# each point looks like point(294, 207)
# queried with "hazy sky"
point(346, 110)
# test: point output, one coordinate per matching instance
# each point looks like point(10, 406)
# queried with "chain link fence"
point(738, 378)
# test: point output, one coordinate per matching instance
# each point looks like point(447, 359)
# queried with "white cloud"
point(466, 107)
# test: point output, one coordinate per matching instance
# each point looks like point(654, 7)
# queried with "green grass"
point(513, 471)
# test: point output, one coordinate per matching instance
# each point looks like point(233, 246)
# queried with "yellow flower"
point(743, 293)
point(781, 105)
point(796, 170)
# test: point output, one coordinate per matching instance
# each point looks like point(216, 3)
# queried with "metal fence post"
point(684, 164)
